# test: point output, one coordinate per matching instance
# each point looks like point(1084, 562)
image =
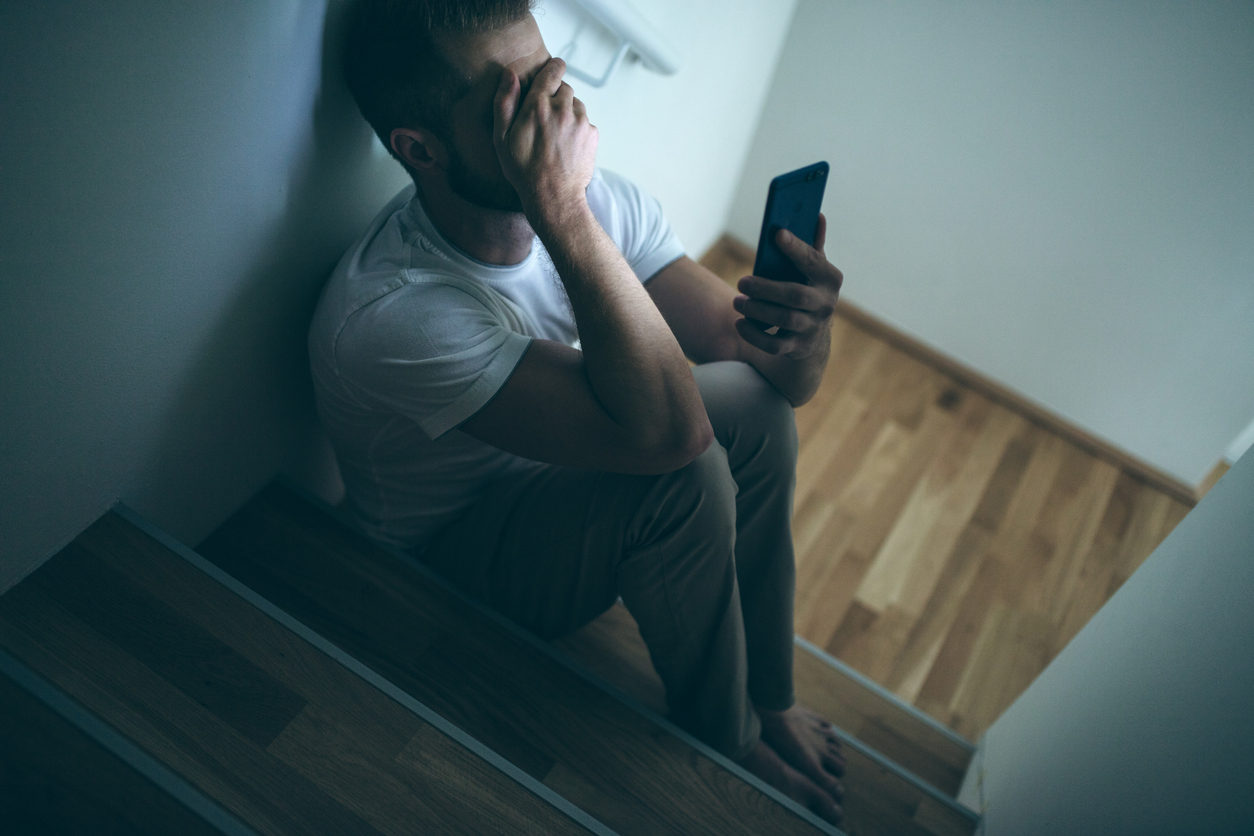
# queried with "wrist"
point(553, 218)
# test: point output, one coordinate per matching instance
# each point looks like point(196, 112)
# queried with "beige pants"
point(702, 558)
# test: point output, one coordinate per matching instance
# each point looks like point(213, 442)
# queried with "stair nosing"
point(879, 690)
point(874, 754)
point(414, 564)
point(117, 744)
point(364, 672)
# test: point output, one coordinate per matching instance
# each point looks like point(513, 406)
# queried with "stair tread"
point(896, 732)
point(277, 732)
point(483, 676)
point(54, 778)
point(877, 799)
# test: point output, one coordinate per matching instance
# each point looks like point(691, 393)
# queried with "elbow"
point(683, 447)
point(701, 440)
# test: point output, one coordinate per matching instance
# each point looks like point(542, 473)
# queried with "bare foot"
point(770, 767)
point(807, 743)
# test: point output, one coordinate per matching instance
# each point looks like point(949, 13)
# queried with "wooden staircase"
point(290, 676)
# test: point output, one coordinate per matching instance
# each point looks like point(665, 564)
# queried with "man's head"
point(423, 73)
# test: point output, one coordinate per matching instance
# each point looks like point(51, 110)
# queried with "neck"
point(488, 235)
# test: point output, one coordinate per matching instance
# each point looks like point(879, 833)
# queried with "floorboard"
point(877, 800)
point(554, 725)
point(948, 544)
point(278, 733)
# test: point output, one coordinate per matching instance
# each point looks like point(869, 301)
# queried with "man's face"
point(474, 170)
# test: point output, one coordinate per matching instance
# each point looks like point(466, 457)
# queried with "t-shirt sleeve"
point(430, 352)
point(634, 219)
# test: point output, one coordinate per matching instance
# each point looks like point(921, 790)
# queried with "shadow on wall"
point(244, 408)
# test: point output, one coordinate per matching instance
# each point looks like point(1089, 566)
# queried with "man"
point(501, 366)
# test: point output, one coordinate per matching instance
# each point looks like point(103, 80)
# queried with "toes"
point(822, 801)
point(833, 787)
point(827, 809)
point(834, 765)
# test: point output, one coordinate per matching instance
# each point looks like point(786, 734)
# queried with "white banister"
point(634, 35)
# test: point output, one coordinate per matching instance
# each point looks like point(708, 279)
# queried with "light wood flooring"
point(949, 544)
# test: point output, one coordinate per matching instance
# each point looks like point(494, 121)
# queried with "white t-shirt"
point(412, 336)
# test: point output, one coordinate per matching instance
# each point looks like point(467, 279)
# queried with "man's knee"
point(706, 487)
point(697, 500)
point(751, 417)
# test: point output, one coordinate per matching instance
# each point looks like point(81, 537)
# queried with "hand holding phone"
point(788, 302)
point(793, 203)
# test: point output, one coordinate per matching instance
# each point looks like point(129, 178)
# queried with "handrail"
point(634, 33)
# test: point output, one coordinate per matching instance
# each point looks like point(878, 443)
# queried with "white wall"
point(1143, 724)
point(178, 179)
point(1056, 194)
point(683, 137)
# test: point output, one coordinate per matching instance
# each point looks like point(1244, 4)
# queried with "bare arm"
point(714, 322)
point(628, 401)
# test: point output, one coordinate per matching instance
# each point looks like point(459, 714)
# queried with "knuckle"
point(796, 296)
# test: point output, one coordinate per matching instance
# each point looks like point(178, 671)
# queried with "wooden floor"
point(949, 545)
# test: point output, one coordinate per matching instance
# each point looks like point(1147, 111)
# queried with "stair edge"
point(363, 672)
point(884, 693)
point(117, 744)
point(883, 760)
point(574, 667)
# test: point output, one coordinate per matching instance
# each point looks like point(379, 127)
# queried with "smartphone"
point(793, 203)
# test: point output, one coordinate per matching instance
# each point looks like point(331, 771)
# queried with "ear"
point(420, 149)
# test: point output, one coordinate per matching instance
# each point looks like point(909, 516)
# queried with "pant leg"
point(554, 548)
point(756, 425)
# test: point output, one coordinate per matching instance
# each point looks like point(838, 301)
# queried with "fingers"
point(810, 260)
point(752, 332)
point(818, 300)
point(784, 318)
point(789, 319)
point(505, 104)
point(549, 80)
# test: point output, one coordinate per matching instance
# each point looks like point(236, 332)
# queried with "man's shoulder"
point(612, 186)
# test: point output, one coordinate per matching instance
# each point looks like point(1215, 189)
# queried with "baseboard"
point(730, 251)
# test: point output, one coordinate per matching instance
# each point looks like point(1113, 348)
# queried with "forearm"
point(633, 362)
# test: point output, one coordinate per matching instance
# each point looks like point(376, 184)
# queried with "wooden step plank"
point(878, 799)
point(864, 711)
point(872, 715)
point(55, 778)
point(241, 707)
point(486, 676)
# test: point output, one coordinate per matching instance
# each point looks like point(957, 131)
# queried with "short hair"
point(392, 63)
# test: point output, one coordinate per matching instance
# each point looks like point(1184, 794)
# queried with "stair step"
point(881, 796)
point(881, 720)
point(490, 678)
point(56, 776)
point(238, 705)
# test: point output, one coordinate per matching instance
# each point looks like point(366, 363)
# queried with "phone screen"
point(793, 202)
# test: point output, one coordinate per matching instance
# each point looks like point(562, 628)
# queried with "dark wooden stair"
point(885, 791)
point(242, 708)
point(56, 777)
point(502, 686)
point(291, 676)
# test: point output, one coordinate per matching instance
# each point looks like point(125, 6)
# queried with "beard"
point(488, 192)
